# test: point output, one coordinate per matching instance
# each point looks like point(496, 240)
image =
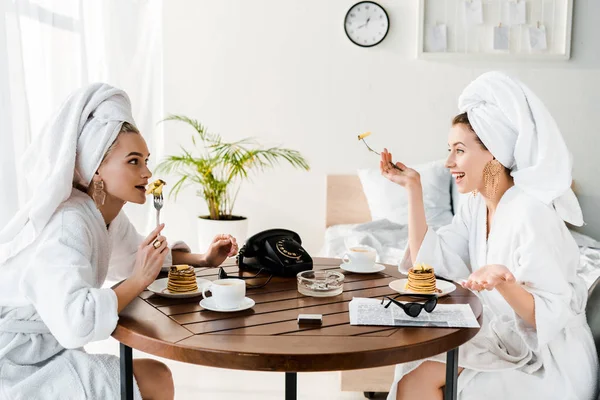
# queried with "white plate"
point(159, 287)
point(362, 270)
point(209, 304)
point(399, 286)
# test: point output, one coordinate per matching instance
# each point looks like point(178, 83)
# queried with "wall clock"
point(366, 24)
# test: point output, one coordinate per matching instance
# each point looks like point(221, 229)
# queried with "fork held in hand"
point(158, 203)
point(373, 151)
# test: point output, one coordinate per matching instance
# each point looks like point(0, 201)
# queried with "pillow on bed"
point(388, 200)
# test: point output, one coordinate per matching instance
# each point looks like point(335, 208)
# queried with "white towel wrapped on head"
point(517, 128)
point(87, 124)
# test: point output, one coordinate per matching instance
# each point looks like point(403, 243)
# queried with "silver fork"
point(158, 204)
point(373, 151)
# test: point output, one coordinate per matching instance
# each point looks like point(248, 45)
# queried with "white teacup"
point(360, 256)
point(227, 293)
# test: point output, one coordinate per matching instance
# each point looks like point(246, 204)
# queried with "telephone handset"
point(275, 251)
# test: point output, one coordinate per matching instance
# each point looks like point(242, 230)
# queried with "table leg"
point(126, 372)
point(291, 386)
point(451, 389)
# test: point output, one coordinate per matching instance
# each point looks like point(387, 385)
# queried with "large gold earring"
point(491, 178)
point(99, 195)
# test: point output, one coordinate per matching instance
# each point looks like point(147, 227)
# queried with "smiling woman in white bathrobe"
point(508, 243)
point(57, 251)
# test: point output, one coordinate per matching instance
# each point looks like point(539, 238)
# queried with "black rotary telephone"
point(275, 251)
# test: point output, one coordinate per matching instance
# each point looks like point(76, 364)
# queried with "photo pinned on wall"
point(473, 12)
point(508, 29)
point(438, 38)
point(537, 37)
point(517, 12)
point(501, 37)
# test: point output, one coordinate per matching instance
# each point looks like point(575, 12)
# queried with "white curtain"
point(48, 48)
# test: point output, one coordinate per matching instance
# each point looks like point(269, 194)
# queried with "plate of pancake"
point(181, 283)
point(421, 280)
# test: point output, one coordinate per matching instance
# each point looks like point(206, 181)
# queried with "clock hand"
point(365, 24)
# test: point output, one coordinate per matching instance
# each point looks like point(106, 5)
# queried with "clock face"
point(366, 24)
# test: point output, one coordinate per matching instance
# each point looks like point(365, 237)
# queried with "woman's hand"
point(150, 259)
point(489, 277)
point(405, 177)
point(222, 246)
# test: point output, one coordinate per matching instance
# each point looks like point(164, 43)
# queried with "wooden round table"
point(267, 337)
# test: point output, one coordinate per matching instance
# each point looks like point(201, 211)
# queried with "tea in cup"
point(360, 256)
point(227, 293)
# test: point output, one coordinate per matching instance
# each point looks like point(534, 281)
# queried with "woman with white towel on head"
point(56, 252)
point(508, 243)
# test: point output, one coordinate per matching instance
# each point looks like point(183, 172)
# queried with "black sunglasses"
point(413, 309)
point(223, 275)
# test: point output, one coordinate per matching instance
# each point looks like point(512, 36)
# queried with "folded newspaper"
point(371, 312)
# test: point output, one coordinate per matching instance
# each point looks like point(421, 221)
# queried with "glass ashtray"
point(320, 283)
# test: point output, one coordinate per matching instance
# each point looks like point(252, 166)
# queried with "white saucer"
point(361, 269)
point(399, 285)
point(159, 287)
point(209, 304)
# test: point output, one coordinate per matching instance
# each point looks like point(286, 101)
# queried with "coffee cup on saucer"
point(227, 294)
point(360, 257)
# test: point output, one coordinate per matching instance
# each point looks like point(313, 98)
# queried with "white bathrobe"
point(508, 359)
point(52, 304)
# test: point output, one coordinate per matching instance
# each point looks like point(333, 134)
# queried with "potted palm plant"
point(216, 169)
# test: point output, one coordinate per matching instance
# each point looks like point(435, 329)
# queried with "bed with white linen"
point(368, 209)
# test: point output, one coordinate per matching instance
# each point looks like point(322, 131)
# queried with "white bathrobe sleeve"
point(125, 244)
point(446, 250)
point(543, 259)
point(60, 283)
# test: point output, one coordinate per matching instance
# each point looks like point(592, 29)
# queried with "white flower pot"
point(209, 228)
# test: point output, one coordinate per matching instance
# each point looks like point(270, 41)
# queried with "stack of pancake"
point(421, 279)
point(182, 279)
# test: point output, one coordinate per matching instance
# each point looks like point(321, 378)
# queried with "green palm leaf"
point(221, 168)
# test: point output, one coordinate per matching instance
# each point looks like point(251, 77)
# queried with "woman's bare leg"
point(426, 382)
point(154, 379)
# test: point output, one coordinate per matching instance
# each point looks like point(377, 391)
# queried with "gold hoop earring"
point(491, 178)
point(99, 195)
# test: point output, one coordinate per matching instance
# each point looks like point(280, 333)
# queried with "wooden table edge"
point(313, 362)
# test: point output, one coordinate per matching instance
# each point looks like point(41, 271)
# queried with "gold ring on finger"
point(156, 244)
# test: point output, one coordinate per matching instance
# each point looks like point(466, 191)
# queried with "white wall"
point(285, 73)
